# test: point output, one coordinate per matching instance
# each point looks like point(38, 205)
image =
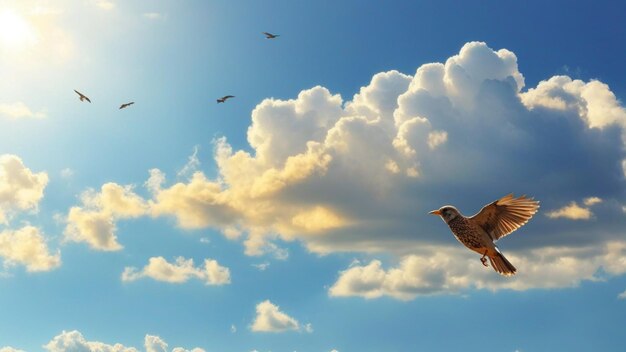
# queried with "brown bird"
point(126, 105)
point(493, 222)
point(224, 98)
point(270, 35)
point(82, 96)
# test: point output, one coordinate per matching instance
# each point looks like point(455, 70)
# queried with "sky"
point(294, 216)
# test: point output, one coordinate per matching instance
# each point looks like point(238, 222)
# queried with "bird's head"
point(446, 212)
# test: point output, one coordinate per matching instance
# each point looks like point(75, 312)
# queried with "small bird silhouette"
point(123, 106)
point(270, 35)
point(224, 98)
point(82, 96)
point(493, 222)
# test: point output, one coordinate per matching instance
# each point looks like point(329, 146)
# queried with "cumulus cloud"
point(20, 188)
point(94, 221)
point(182, 270)
point(361, 174)
point(573, 211)
point(27, 246)
point(19, 110)
point(74, 341)
point(10, 349)
point(269, 318)
point(452, 270)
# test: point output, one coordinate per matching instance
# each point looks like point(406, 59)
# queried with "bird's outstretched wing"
point(505, 215)
point(125, 105)
point(82, 96)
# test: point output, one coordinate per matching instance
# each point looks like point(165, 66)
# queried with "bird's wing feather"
point(505, 215)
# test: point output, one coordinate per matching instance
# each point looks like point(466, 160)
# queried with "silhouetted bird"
point(224, 98)
point(270, 35)
point(493, 222)
point(82, 96)
point(126, 105)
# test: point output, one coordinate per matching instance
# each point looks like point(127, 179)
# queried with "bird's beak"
point(435, 212)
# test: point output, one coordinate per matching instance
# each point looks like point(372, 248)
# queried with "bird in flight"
point(224, 98)
point(123, 106)
point(493, 221)
point(270, 35)
point(82, 96)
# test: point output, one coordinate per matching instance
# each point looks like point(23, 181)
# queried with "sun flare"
point(15, 31)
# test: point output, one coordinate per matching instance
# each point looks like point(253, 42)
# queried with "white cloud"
point(19, 110)
point(74, 341)
point(592, 201)
point(191, 166)
point(67, 173)
point(94, 221)
point(452, 270)
point(182, 270)
point(27, 246)
point(360, 174)
point(262, 266)
point(622, 295)
point(233, 328)
point(571, 211)
point(20, 188)
point(10, 349)
point(269, 318)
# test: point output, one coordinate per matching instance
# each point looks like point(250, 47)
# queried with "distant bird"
point(126, 105)
point(270, 35)
point(493, 222)
point(224, 98)
point(82, 96)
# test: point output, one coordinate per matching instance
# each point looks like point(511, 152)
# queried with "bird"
point(270, 35)
point(126, 105)
point(494, 221)
point(224, 98)
point(82, 97)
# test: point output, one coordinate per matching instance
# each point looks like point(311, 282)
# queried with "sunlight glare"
point(15, 31)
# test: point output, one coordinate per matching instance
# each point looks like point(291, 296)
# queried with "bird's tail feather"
point(502, 265)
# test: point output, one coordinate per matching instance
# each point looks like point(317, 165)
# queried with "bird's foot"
point(484, 261)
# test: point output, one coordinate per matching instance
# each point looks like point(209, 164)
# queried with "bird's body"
point(494, 221)
point(224, 98)
point(125, 105)
point(81, 96)
point(270, 35)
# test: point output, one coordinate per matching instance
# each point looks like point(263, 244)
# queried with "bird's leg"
point(483, 260)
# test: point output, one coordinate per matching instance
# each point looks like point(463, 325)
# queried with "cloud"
point(20, 188)
point(182, 270)
point(360, 174)
point(94, 221)
point(67, 173)
point(73, 341)
point(575, 212)
point(622, 295)
point(19, 110)
point(191, 166)
point(262, 266)
point(27, 246)
point(10, 349)
point(572, 211)
point(269, 318)
point(452, 270)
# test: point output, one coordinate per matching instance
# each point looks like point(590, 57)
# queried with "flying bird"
point(494, 221)
point(270, 35)
point(82, 96)
point(126, 105)
point(224, 98)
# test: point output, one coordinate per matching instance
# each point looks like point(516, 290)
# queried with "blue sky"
point(293, 217)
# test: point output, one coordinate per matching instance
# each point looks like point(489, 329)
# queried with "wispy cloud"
point(154, 15)
point(19, 110)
